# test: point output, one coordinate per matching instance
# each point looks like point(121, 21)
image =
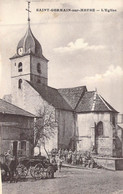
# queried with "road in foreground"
point(73, 181)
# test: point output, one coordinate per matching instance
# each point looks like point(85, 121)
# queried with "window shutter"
point(27, 148)
point(19, 148)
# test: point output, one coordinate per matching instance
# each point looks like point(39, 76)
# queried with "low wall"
point(110, 162)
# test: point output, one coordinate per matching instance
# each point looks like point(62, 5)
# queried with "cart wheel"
point(50, 172)
point(21, 171)
point(38, 171)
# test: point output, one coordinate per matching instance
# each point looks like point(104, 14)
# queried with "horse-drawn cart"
point(38, 167)
point(21, 167)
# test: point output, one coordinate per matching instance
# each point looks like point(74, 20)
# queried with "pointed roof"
point(30, 44)
point(8, 108)
point(93, 102)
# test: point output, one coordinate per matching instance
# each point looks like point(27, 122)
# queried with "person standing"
point(59, 162)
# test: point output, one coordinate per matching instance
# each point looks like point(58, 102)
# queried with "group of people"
point(56, 159)
point(73, 157)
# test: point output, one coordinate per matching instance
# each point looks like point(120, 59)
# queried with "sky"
point(83, 47)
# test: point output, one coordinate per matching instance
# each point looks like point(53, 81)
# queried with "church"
point(85, 120)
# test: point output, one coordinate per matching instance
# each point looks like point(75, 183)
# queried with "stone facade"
point(30, 100)
point(29, 70)
point(66, 129)
point(90, 135)
point(16, 134)
point(40, 75)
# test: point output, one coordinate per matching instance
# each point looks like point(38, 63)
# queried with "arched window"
point(20, 83)
point(39, 68)
point(99, 129)
point(20, 67)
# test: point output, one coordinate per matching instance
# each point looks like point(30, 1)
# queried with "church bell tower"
point(28, 63)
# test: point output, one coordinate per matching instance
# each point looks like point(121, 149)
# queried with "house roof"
point(8, 108)
point(93, 102)
point(52, 96)
point(73, 95)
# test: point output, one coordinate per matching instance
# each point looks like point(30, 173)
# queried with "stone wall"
point(87, 135)
point(43, 74)
point(25, 60)
point(31, 101)
point(66, 128)
point(15, 128)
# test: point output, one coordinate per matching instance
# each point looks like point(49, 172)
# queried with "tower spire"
point(28, 11)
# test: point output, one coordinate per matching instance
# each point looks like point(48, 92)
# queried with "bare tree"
point(45, 126)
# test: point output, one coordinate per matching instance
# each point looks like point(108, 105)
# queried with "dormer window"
point(20, 67)
point(20, 83)
point(39, 68)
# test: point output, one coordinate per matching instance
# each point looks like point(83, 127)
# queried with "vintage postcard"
point(61, 91)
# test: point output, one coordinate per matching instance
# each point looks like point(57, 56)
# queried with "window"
point(20, 67)
point(38, 68)
point(99, 129)
point(23, 146)
point(20, 83)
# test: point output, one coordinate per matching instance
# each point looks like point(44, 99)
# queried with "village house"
point(85, 120)
point(16, 130)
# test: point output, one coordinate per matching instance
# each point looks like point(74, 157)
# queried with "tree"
point(44, 126)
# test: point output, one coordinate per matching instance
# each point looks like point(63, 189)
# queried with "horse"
point(8, 168)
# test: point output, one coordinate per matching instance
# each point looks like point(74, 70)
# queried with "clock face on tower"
point(20, 51)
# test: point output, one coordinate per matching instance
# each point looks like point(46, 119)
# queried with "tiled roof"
point(52, 96)
point(8, 108)
point(102, 105)
point(73, 99)
point(93, 102)
point(73, 95)
point(86, 102)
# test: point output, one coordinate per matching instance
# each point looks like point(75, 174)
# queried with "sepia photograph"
point(61, 97)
